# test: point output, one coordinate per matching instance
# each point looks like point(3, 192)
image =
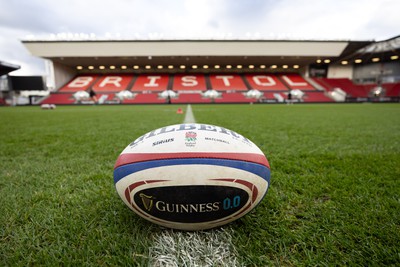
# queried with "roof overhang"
point(50, 49)
point(189, 52)
point(6, 68)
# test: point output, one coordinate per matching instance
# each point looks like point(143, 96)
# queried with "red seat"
point(234, 98)
point(190, 99)
point(316, 97)
point(59, 99)
point(151, 98)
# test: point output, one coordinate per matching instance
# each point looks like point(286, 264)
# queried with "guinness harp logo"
point(147, 201)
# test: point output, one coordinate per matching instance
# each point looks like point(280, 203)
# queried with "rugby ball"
point(191, 176)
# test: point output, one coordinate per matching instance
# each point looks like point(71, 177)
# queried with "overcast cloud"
point(191, 19)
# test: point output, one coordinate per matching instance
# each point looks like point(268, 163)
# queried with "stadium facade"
point(185, 70)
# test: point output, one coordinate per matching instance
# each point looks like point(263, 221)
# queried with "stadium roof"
point(109, 55)
point(382, 51)
point(6, 68)
point(392, 44)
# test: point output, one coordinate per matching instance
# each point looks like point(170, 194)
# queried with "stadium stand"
point(225, 68)
point(190, 88)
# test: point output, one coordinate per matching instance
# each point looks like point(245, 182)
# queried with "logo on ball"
point(147, 201)
point(190, 138)
point(191, 204)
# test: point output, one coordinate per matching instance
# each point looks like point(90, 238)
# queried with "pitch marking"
point(189, 117)
point(202, 248)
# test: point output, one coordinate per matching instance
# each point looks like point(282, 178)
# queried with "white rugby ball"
point(191, 176)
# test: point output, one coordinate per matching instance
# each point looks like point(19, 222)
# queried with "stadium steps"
point(170, 84)
point(208, 82)
point(131, 83)
point(95, 81)
point(320, 81)
point(315, 84)
point(279, 97)
point(246, 82)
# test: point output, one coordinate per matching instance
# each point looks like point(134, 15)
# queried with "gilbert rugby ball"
point(191, 176)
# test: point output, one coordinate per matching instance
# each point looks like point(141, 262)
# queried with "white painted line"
point(189, 117)
point(203, 248)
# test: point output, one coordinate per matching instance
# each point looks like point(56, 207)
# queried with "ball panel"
point(183, 138)
point(195, 204)
point(128, 158)
point(260, 170)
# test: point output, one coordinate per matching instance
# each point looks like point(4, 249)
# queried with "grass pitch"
point(333, 199)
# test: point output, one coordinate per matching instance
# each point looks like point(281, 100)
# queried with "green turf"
point(334, 195)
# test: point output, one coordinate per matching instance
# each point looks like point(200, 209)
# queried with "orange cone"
point(179, 111)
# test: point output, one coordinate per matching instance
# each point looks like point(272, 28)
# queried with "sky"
point(189, 19)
